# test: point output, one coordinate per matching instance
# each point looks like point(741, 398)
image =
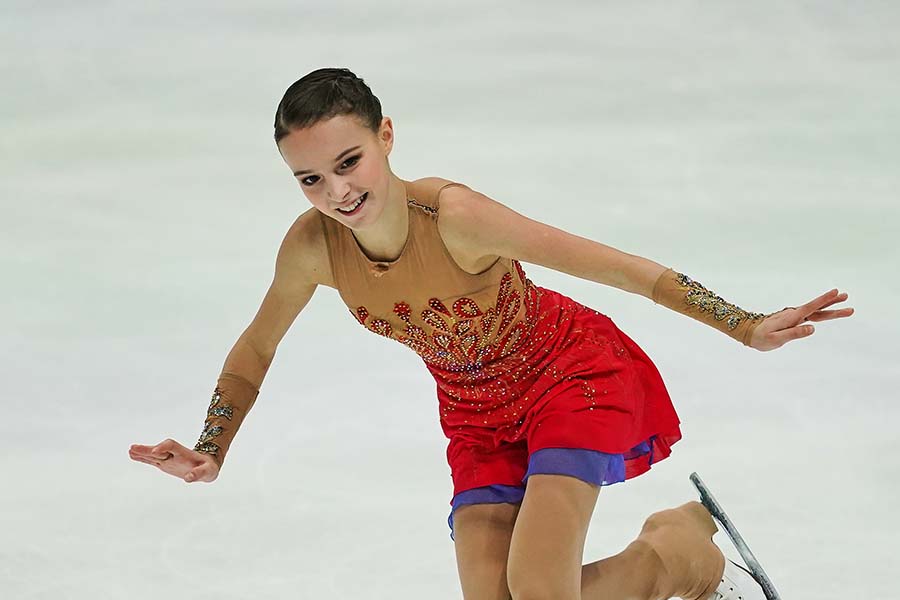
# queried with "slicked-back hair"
point(326, 93)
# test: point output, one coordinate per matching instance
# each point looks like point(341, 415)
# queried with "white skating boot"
point(738, 584)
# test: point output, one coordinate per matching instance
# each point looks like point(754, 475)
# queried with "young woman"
point(533, 387)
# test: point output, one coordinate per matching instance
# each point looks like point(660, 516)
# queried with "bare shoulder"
point(449, 196)
point(434, 183)
point(458, 210)
point(303, 252)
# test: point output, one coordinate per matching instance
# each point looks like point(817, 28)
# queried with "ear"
point(386, 134)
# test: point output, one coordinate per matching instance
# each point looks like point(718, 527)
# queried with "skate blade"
point(715, 509)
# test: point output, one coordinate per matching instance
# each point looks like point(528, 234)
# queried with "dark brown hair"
point(326, 93)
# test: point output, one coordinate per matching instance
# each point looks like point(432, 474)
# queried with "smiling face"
point(338, 160)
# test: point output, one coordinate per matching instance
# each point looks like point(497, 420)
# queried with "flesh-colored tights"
point(673, 557)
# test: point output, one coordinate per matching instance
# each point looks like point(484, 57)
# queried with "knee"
point(679, 541)
point(687, 525)
point(697, 513)
point(483, 533)
point(531, 582)
point(691, 516)
point(524, 583)
point(531, 590)
point(661, 519)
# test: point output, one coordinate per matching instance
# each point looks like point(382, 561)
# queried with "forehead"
point(318, 145)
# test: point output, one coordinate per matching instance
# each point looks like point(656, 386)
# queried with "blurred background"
point(753, 146)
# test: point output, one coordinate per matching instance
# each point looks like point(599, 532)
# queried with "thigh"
point(547, 547)
point(482, 537)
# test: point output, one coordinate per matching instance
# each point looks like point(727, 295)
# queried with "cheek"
point(372, 171)
point(317, 200)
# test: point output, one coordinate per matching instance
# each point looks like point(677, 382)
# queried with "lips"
point(351, 202)
point(361, 199)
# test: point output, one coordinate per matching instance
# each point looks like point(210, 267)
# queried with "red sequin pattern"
point(464, 336)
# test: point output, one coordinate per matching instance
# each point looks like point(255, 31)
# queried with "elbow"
point(642, 275)
point(264, 353)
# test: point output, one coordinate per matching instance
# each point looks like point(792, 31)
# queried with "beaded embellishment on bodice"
point(465, 336)
point(458, 322)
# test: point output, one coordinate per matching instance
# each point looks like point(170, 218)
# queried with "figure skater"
point(543, 400)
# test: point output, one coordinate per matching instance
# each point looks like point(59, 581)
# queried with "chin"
point(368, 219)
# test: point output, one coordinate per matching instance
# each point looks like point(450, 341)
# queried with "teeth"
point(352, 207)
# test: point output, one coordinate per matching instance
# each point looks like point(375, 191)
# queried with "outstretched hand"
point(171, 457)
point(780, 328)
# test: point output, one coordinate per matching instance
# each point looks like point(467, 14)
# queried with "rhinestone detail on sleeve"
point(709, 302)
point(210, 431)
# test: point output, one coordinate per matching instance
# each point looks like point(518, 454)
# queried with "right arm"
point(248, 361)
point(298, 271)
point(296, 278)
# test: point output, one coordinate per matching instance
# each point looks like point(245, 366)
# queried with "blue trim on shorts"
point(598, 468)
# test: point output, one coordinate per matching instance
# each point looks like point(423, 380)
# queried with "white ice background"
point(754, 146)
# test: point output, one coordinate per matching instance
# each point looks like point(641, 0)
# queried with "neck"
point(385, 239)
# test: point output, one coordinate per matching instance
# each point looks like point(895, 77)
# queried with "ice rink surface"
point(753, 146)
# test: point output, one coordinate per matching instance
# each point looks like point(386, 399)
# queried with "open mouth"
point(355, 207)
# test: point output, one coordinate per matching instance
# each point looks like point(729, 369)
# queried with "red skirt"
point(579, 382)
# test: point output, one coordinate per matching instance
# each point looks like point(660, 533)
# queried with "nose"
point(338, 190)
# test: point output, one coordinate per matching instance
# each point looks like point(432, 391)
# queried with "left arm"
point(488, 228)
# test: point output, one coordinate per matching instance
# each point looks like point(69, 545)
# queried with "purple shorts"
point(598, 468)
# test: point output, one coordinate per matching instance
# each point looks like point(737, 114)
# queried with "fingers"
point(826, 299)
point(139, 449)
point(162, 451)
point(172, 458)
point(780, 338)
point(812, 311)
point(825, 315)
point(149, 455)
point(834, 299)
point(165, 449)
point(142, 454)
point(145, 460)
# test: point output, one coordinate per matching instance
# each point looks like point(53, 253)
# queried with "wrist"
point(231, 400)
point(682, 294)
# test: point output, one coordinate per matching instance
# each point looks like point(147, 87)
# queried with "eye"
point(355, 159)
point(346, 164)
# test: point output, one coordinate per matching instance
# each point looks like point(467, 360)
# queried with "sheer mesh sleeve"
point(682, 294)
point(230, 403)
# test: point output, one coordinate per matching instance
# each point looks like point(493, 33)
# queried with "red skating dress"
point(528, 380)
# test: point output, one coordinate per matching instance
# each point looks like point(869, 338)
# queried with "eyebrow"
point(337, 158)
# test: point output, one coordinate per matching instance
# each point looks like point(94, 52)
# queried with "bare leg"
point(672, 557)
point(482, 533)
point(547, 544)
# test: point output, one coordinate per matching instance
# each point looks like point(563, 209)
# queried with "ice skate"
point(738, 583)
